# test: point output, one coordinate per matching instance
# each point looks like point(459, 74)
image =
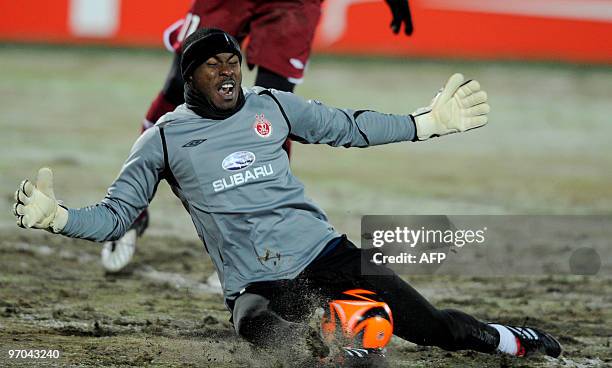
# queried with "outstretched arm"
point(460, 106)
point(36, 206)
point(313, 122)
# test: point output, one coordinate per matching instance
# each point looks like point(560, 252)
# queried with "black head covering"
point(203, 44)
point(197, 48)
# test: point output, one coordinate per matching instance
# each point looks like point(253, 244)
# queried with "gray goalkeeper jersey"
point(234, 179)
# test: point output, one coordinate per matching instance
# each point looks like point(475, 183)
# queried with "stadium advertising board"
point(569, 30)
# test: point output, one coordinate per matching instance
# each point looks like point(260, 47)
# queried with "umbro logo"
point(193, 143)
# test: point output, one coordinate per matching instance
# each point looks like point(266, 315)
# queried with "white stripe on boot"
point(507, 340)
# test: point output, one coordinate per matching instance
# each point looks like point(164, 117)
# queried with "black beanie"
point(203, 44)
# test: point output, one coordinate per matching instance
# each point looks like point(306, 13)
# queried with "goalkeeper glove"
point(36, 205)
point(458, 107)
point(401, 14)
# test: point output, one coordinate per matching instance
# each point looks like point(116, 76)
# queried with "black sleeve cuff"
point(416, 135)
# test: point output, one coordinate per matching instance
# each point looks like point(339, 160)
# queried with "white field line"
point(175, 281)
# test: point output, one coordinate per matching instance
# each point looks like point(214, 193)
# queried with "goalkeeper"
point(222, 154)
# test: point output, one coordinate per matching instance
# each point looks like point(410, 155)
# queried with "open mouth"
point(227, 89)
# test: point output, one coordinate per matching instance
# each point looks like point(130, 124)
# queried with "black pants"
point(271, 312)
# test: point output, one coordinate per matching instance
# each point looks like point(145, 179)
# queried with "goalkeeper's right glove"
point(458, 107)
point(36, 205)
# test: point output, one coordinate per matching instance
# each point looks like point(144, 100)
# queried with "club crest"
point(262, 126)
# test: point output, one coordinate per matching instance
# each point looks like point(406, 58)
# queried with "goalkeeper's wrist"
point(60, 220)
point(425, 126)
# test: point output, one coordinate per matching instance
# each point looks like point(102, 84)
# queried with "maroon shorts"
point(280, 32)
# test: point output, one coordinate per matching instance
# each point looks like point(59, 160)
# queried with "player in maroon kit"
point(280, 34)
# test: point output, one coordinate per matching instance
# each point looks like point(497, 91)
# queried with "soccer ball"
point(357, 321)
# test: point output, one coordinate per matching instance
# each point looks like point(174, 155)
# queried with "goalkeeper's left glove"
point(458, 107)
point(36, 206)
point(401, 14)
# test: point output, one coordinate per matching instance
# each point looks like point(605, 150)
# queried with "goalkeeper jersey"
point(234, 179)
